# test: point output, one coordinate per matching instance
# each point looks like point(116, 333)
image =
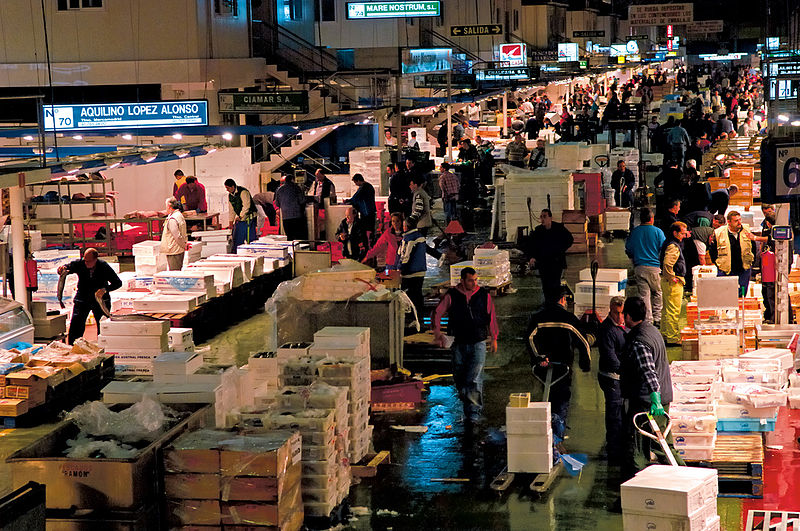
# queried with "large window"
point(74, 5)
point(228, 8)
point(292, 9)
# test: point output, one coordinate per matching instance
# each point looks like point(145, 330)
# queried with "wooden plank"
point(370, 469)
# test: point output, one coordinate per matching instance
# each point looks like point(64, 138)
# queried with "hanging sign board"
point(780, 170)
point(512, 54)
point(700, 27)
point(295, 102)
point(439, 81)
point(366, 10)
point(422, 60)
point(476, 30)
point(503, 74)
point(588, 33)
point(125, 115)
point(660, 14)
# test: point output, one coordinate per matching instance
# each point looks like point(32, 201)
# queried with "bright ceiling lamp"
point(796, 123)
point(112, 162)
point(209, 149)
point(277, 135)
point(127, 137)
point(27, 137)
point(149, 156)
point(77, 137)
point(72, 167)
point(783, 118)
point(177, 136)
point(181, 153)
point(227, 136)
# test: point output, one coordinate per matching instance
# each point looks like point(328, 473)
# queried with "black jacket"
point(611, 342)
point(549, 247)
point(355, 244)
point(557, 344)
point(89, 281)
point(632, 381)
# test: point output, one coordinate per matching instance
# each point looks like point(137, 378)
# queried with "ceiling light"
point(278, 135)
point(149, 156)
point(210, 149)
point(313, 132)
point(177, 136)
point(783, 118)
point(796, 123)
point(27, 137)
point(365, 122)
point(73, 167)
point(181, 153)
point(127, 137)
point(112, 163)
point(77, 137)
point(227, 136)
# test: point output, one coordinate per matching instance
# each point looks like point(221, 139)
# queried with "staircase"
point(319, 105)
point(296, 146)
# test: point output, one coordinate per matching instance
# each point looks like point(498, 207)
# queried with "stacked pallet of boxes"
point(492, 266)
point(335, 285)
point(521, 186)
point(371, 163)
point(134, 344)
point(348, 365)
point(742, 178)
point(218, 478)
point(666, 497)
point(147, 257)
point(609, 283)
point(576, 223)
point(695, 388)
point(48, 262)
point(214, 241)
point(529, 435)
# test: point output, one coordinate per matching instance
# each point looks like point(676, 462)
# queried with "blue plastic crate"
point(746, 424)
point(622, 284)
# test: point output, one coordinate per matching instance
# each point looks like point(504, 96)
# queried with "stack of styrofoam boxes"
point(618, 219)
point(185, 282)
point(609, 283)
point(717, 346)
point(214, 241)
point(335, 285)
point(371, 163)
point(669, 498)
point(147, 257)
point(135, 344)
point(530, 435)
point(227, 275)
point(694, 407)
point(252, 265)
point(194, 252)
point(493, 269)
point(262, 376)
point(751, 392)
point(218, 478)
point(180, 340)
point(48, 263)
point(168, 303)
point(267, 250)
point(702, 271)
point(521, 185)
point(322, 492)
point(348, 365)
point(794, 390)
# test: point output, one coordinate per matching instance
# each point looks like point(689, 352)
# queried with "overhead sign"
point(439, 81)
point(362, 10)
point(588, 33)
point(699, 27)
point(476, 30)
point(503, 74)
point(784, 68)
point(722, 57)
point(783, 89)
point(422, 60)
point(780, 170)
point(660, 14)
point(512, 54)
point(544, 56)
point(295, 102)
point(125, 115)
point(567, 51)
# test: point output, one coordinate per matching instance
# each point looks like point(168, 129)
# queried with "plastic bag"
point(83, 447)
point(144, 420)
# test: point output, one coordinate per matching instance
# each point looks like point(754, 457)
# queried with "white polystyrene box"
point(154, 327)
point(536, 411)
point(522, 443)
point(111, 343)
point(180, 336)
point(146, 248)
point(245, 265)
point(531, 462)
point(164, 303)
point(342, 336)
point(185, 282)
point(700, 520)
point(177, 363)
point(133, 355)
point(604, 274)
point(784, 355)
point(666, 490)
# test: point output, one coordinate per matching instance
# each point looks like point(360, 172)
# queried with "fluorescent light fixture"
point(177, 136)
point(783, 118)
point(796, 123)
point(227, 136)
point(313, 132)
point(365, 122)
point(72, 167)
point(149, 156)
point(278, 135)
point(112, 162)
point(210, 149)
point(27, 137)
point(181, 153)
point(127, 137)
point(77, 137)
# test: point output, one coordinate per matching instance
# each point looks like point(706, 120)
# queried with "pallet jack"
point(541, 482)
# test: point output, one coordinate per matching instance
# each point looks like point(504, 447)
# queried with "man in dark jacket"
point(546, 250)
point(291, 201)
point(557, 346)
point(668, 186)
point(352, 236)
point(95, 280)
point(611, 342)
point(646, 386)
point(721, 198)
point(399, 194)
point(623, 181)
point(472, 321)
point(364, 203)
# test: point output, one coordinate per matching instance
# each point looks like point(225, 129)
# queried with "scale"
point(783, 236)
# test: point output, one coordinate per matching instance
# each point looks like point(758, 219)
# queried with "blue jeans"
point(450, 209)
point(468, 361)
point(613, 396)
point(243, 232)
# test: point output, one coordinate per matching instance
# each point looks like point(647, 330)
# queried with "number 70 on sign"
point(57, 118)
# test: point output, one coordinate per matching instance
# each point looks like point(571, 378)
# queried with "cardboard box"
point(195, 512)
point(263, 455)
point(155, 327)
point(195, 452)
point(519, 399)
point(253, 488)
point(263, 513)
point(192, 486)
point(12, 407)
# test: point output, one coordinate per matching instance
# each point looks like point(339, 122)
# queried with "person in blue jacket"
point(411, 262)
point(644, 248)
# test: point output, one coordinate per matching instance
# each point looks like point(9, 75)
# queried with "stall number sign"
point(787, 180)
point(361, 10)
point(125, 115)
point(660, 14)
point(512, 54)
point(264, 102)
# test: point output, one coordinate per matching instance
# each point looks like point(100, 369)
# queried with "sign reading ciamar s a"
point(125, 115)
point(295, 101)
point(361, 10)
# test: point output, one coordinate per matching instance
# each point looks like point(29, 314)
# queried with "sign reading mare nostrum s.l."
point(295, 101)
point(125, 115)
point(361, 10)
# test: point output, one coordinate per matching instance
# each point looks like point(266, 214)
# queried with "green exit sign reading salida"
point(361, 10)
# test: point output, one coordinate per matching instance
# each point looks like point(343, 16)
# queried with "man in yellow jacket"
point(673, 271)
point(731, 248)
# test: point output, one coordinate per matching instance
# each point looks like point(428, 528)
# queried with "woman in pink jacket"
point(386, 246)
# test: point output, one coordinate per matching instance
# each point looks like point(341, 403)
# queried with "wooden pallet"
point(368, 467)
point(739, 461)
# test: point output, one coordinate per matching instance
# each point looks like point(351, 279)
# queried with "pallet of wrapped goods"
point(193, 282)
point(336, 285)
